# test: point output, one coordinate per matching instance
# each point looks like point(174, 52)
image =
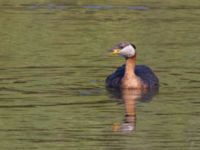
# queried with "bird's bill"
point(116, 51)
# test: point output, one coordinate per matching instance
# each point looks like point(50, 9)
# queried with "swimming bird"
point(130, 75)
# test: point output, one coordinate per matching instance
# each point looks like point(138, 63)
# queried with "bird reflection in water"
point(130, 98)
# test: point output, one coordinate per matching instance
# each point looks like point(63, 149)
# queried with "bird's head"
point(124, 49)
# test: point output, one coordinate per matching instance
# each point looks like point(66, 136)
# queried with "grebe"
point(130, 75)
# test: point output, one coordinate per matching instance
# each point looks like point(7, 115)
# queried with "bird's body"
point(145, 74)
point(130, 75)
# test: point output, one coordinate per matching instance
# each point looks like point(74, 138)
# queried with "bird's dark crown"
point(121, 45)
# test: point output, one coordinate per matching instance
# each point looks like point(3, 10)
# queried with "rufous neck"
point(130, 66)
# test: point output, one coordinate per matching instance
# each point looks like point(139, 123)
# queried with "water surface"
point(54, 60)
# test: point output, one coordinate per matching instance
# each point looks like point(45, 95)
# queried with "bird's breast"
point(132, 82)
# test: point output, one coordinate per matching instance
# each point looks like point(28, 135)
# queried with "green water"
point(54, 60)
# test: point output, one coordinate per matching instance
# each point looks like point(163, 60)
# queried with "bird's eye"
point(121, 46)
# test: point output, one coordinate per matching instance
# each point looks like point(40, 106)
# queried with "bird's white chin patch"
point(128, 51)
